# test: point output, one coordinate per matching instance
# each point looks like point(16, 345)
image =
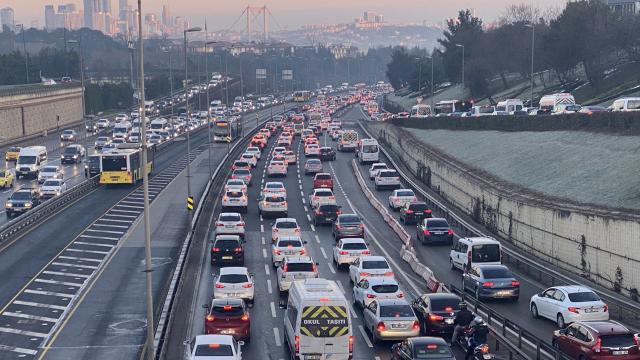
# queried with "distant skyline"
point(292, 14)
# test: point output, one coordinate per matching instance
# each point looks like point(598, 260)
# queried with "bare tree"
point(520, 13)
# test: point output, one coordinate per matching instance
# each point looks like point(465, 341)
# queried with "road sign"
point(287, 74)
point(190, 203)
point(261, 73)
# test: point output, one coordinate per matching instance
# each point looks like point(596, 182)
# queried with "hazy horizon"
point(293, 14)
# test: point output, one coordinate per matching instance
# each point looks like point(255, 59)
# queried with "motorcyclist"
point(464, 317)
point(477, 334)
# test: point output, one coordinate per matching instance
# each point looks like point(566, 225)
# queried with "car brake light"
point(636, 339)
point(409, 211)
point(426, 232)
point(487, 284)
point(296, 344)
point(362, 226)
point(572, 309)
point(371, 296)
point(416, 325)
point(319, 212)
point(381, 326)
point(276, 251)
point(238, 249)
point(450, 232)
point(342, 252)
point(388, 273)
point(434, 317)
point(350, 343)
point(227, 308)
point(448, 309)
point(605, 308)
point(285, 268)
point(241, 224)
point(598, 345)
point(215, 249)
point(219, 286)
point(247, 286)
point(400, 295)
point(245, 317)
point(364, 274)
point(210, 318)
point(338, 227)
point(302, 252)
point(515, 283)
point(219, 224)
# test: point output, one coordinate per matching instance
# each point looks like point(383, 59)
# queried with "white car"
point(230, 223)
point(312, 150)
point(295, 268)
point(274, 188)
point(271, 205)
point(235, 200)
point(234, 282)
point(369, 289)
point(347, 250)
point(369, 266)
point(52, 187)
point(215, 347)
point(387, 178)
point(104, 123)
point(250, 158)
point(285, 227)
point(401, 197)
point(49, 172)
point(255, 151)
point(290, 157)
point(373, 170)
point(235, 185)
point(321, 196)
point(279, 150)
point(276, 168)
point(287, 246)
point(567, 304)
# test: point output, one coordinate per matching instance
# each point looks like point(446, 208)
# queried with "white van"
point(30, 160)
point(510, 106)
point(467, 252)
point(556, 102)
point(420, 111)
point(159, 124)
point(317, 321)
point(482, 110)
point(122, 130)
point(626, 104)
point(368, 151)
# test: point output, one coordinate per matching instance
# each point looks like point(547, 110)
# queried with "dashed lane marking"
point(365, 336)
point(39, 305)
point(324, 254)
point(273, 309)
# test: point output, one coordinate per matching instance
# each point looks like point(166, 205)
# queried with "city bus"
point(124, 165)
point(226, 130)
point(301, 96)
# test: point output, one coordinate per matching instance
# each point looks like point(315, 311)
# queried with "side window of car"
point(558, 296)
point(363, 284)
point(572, 330)
point(583, 334)
point(549, 293)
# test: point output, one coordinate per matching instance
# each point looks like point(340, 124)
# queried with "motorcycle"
point(480, 352)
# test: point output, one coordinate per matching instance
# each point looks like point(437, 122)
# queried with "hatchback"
point(287, 246)
point(597, 340)
point(227, 249)
point(325, 214)
point(373, 288)
point(414, 212)
point(437, 312)
point(228, 317)
point(327, 154)
point(234, 282)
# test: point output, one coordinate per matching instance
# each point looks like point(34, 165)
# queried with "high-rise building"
point(67, 17)
point(123, 6)
point(166, 16)
point(49, 17)
point(7, 18)
point(106, 6)
point(627, 7)
point(89, 9)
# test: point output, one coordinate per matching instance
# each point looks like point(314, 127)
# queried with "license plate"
point(228, 226)
point(448, 321)
point(590, 310)
point(227, 332)
point(299, 276)
point(398, 326)
point(438, 233)
point(312, 357)
point(233, 294)
point(227, 257)
point(503, 293)
point(620, 352)
point(487, 356)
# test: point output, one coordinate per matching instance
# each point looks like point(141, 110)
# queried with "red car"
point(259, 140)
point(228, 317)
point(323, 180)
point(597, 340)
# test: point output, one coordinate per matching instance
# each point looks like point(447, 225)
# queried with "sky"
point(290, 14)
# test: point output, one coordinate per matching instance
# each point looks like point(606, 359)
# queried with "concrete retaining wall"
point(30, 111)
point(601, 245)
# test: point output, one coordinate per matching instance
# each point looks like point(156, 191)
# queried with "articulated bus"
point(301, 96)
point(227, 130)
point(124, 165)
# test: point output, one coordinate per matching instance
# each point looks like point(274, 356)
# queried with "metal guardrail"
point(622, 309)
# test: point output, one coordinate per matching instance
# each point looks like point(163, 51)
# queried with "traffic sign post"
point(190, 203)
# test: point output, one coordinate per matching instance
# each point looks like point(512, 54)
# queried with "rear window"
point(354, 246)
point(227, 310)
point(242, 172)
point(350, 219)
point(234, 194)
point(324, 193)
point(286, 225)
point(233, 278)
point(323, 177)
point(486, 253)
point(299, 266)
point(314, 162)
point(396, 311)
point(241, 163)
point(287, 243)
point(497, 273)
point(50, 182)
point(229, 217)
point(418, 207)
point(385, 289)
point(71, 150)
point(437, 223)
point(275, 186)
point(329, 208)
point(584, 296)
point(214, 350)
point(617, 341)
point(432, 351)
point(275, 199)
point(226, 244)
point(448, 305)
point(375, 264)
point(405, 193)
point(388, 174)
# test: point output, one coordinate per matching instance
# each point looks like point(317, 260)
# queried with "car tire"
point(534, 311)
point(560, 322)
point(374, 337)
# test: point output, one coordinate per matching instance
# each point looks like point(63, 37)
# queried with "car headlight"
point(8, 205)
point(28, 204)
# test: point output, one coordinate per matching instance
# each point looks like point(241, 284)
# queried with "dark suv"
point(22, 201)
point(414, 212)
point(597, 340)
point(434, 230)
point(325, 214)
point(327, 154)
point(72, 154)
point(227, 249)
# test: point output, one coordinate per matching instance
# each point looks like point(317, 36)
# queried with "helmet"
point(477, 321)
point(462, 305)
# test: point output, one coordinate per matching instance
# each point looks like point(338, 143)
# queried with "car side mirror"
point(251, 274)
point(282, 304)
point(304, 241)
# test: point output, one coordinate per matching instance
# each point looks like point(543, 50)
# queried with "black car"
point(92, 166)
point(424, 347)
point(434, 230)
point(325, 214)
point(436, 312)
point(72, 154)
point(414, 212)
point(227, 249)
point(22, 201)
point(327, 154)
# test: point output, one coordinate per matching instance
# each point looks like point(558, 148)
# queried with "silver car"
point(347, 250)
point(390, 319)
point(287, 246)
point(312, 166)
point(49, 172)
point(230, 223)
point(52, 187)
point(387, 178)
point(295, 268)
point(234, 282)
point(68, 135)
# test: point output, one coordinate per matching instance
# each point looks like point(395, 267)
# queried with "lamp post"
point(433, 86)
point(186, 76)
point(533, 43)
point(24, 48)
point(462, 46)
point(84, 111)
point(170, 78)
point(206, 71)
point(419, 73)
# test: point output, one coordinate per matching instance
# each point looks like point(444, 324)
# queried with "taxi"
point(6, 178)
point(12, 153)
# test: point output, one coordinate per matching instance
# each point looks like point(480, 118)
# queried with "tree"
point(400, 69)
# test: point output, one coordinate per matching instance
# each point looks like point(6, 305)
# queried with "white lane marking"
point(29, 317)
point(93, 244)
point(267, 270)
point(264, 253)
point(303, 201)
point(273, 309)
point(324, 254)
point(118, 215)
point(111, 225)
point(99, 237)
point(301, 193)
point(308, 217)
point(130, 206)
point(88, 251)
point(269, 288)
point(261, 228)
point(79, 259)
point(56, 282)
point(261, 218)
point(74, 265)
point(23, 332)
point(313, 228)
point(353, 311)
point(317, 238)
point(105, 231)
point(116, 220)
point(50, 293)
point(276, 335)
point(365, 336)
point(61, 273)
point(39, 305)
point(126, 211)
point(263, 241)
point(331, 268)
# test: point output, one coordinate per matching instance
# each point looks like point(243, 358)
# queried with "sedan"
point(290, 156)
point(250, 158)
point(348, 225)
point(373, 288)
point(400, 198)
point(215, 347)
point(491, 281)
point(312, 166)
point(327, 154)
point(49, 172)
point(285, 227)
point(101, 141)
point(68, 135)
point(414, 212)
point(434, 230)
point(52, 187)
point(325, 214)
point(273, 205)
point(235, 185)
point(230, 223)
point(295, 268)
point(228, 317)
point(287, 246)
point(390, 319)
point(255, 151)
point(347, 250)
point(274, 188)
point(369, 266)
point(568, 304)
point(321, 196)
point(424, 347)
point(241, 164)
point(234, 282)
point(242, 174)
point(437, 312)
point(278, 168)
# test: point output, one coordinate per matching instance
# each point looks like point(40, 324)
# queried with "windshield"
point(214, 350)
point(395, 311)
point(2, 173)
point(242, 172)
point(370, 149)
point(226, 244)
point(27, 160)
point(275, 186)
point(329, 208)
point(375, 264)
point(323, 177)
point(388, 174)
point(233, 278)
point(275, 199)
point(486, 253)
point(585, 296)
point(114, 163)
point(633, 104)
point(230, 217)
point(52, 183)
point(21, 195)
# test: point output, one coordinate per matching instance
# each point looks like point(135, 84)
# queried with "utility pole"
point(533, 42)
point(206, 70)
point(433, 85)
point(462, 46)
point(419, 74)
point(186, 76)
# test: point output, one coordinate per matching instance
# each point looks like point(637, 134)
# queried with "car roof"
point(352, 240)
point(274, 183)
point(227, 237)
point(605, 327)
point(480, 240)
point(299, 259)
point(387, 170)
point(570, 289)
point(483, 267)
point(382, 280)
point(229, 214)
point(227, 301)
point(424, 340)
point(389, 302)
point(372, 258)
point(289, 238)
point(398, 190)
point(438, 296)
point(319, 190)
point(279, 220)
point(213, 339)
point(50, 167)
point(234, 270)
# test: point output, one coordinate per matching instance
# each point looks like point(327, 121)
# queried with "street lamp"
point(419, 74)
point(533, 42)
point(462, 46)
point(170, 78)
point(24, 48)
point(207, 77)
point(80, 55)
point(433, 85)
point(186, 75)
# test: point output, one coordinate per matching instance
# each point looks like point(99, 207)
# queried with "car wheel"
point(374, 337)
point(534, 311)
point(560, 321)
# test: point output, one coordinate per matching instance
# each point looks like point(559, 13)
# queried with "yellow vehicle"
point(6, 178)
point(301, 96)
point(12, 153)
point(123, 166)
